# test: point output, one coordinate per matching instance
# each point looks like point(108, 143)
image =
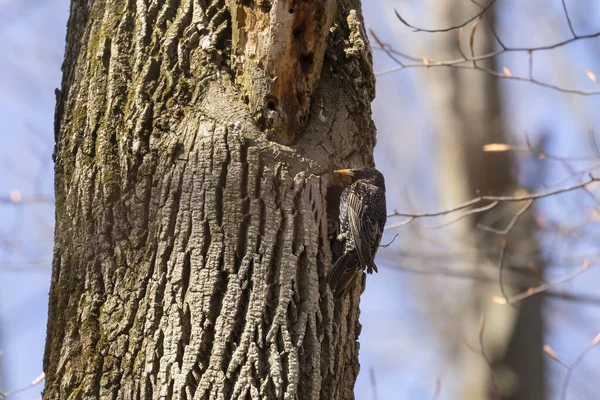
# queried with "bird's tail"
point(343, 273)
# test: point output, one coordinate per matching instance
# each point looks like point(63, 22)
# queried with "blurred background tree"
point(421, 315)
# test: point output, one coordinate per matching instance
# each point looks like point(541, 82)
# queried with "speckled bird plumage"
point(362, 218)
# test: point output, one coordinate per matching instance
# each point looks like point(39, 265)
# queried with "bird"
point(361, 221)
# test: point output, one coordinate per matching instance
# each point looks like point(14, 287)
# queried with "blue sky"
point(32, 44)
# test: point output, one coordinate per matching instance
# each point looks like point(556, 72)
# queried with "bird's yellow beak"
point(344, 172)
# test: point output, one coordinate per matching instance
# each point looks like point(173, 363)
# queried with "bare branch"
point(491, 26)
point(462, 25)
point(501, 268)
point(384, 47)
point(552, 354)
point(500, 147)
point(568, 18)
point(472, 43)
point(399, 224)
point(570, 367)
point(495, 74)
point(513, 274)
point(468, 213)
point(496, 390)
point(474, 201)
point(512, 222)
point(465, 62)
point(390, 243)
point(16, 198)
point(373, 383)
point(539, 289)
point(33, 383)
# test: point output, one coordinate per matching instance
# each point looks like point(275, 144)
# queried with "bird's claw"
point(371, 268)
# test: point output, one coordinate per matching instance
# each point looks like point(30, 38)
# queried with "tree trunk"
point(468, 110)
point(194, 145)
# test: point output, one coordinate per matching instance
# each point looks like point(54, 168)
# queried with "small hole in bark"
point(272, 104)
point(297, 32)
point(178, 150)
point(291, 10)
point(265, 6)
point(306, 61)
point(302, 119)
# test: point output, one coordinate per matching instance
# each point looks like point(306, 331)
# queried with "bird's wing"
point(365, 232)
point(355, 213)
point(343, 273)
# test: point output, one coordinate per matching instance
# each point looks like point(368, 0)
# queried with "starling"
point(362, 218)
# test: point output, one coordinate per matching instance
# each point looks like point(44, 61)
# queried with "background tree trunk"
point(194, 145)
point(468, 111)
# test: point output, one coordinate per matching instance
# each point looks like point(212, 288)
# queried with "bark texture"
point(194, 144)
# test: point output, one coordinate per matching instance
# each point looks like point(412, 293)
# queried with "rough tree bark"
point(194, 145)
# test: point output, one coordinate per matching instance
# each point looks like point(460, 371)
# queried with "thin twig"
point(491, 25)
point(384, 48)
point(564, 4)
point(594, 142)
point(462, 25)
point(495, 75)
point(501, 268)
point(461, 62)
point(542, 155)
point(570, 367)
point(579, 358)
point(512, 222)
point(26, 200)
point(486, 358)
point(398, 224)
point(544, 287)
point(571, 297)
point(33, 383)
point(552, 354)
point(474, 201)
point(390, 243)
point(466, 214)
point(373, 383)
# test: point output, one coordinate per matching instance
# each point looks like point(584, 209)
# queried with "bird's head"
point(367, 174)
